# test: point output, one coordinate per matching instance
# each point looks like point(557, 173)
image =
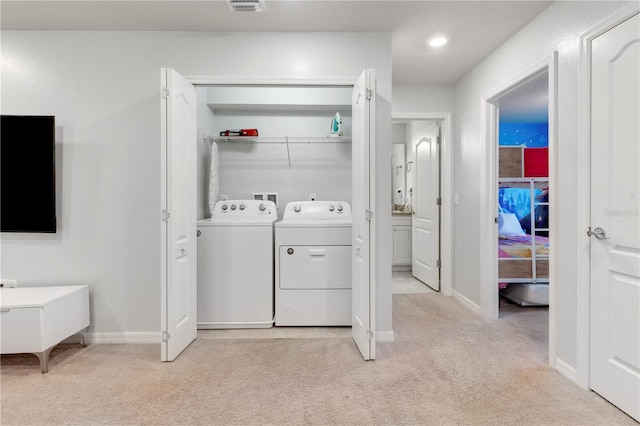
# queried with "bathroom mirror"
point(398, 174)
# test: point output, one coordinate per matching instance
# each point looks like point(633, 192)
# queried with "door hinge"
point(369, 93)
point(438, 263)
point(165, 336)
point(368, 215)
point(369, 334)
point(165, 93)
point(165, 216)
point(439, 201)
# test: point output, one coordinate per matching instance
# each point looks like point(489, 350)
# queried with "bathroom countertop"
point(401, 213)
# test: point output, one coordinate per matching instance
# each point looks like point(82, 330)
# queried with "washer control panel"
point(244, 209)
point(317, 210)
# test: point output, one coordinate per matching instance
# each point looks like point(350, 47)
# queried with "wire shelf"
point(286, 140)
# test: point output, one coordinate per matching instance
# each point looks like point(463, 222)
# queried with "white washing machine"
point(235, 265)
point(313, 264)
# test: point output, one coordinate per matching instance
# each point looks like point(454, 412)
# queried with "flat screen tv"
point(27, 174)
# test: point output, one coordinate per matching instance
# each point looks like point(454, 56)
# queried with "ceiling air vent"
point(246, 5)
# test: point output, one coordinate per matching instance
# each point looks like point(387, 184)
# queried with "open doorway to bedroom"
point(523, 210)
point(523, 200)
point(542, 74)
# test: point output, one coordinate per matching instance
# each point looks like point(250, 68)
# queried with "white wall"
point(416, 99)
point(103, 88)
point(555, 29)
point(399, 132)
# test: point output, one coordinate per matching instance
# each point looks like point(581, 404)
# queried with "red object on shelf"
point(240, 132)
point(536, 162)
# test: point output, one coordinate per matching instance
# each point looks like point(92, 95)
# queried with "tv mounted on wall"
point(27, 174)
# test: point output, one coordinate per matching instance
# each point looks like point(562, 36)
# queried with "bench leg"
point(44, 360)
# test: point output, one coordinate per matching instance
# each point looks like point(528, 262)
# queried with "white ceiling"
point(475, 28)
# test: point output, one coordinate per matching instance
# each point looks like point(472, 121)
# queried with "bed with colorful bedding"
point(523, 243)
point(523, 258)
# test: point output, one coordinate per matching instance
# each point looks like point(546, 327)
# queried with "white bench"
point(35, 319)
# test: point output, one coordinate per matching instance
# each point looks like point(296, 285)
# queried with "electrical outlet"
point(312, 196)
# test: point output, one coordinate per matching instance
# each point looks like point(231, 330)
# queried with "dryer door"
point(315, 267)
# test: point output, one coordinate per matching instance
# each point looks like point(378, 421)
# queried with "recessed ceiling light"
point(437, 41)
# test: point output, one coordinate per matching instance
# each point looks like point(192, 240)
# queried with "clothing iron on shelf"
point(336, 125)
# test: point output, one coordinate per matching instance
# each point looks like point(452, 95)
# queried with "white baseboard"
point(154, 338)
point(566, 370)
point(385, 336)
point(467, 302)
point(123, 337)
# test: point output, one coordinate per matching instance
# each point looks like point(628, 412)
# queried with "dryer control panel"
point(317, 211)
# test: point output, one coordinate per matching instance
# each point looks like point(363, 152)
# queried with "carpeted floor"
point(447, 367)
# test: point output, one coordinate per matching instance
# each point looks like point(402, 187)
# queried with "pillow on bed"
point(509, 225)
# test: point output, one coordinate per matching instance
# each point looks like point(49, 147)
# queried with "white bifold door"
point(179, 217)
point(363, 185)
point(178, 235)
point(615, 216)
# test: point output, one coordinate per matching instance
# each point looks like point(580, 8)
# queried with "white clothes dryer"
point(313, 264)
point(235, 265)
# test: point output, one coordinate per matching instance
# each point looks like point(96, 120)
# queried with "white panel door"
point(615, 222)
point(426, 220)
point(178, 177)
point(363, 295)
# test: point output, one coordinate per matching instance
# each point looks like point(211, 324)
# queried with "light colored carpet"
point(446, 367)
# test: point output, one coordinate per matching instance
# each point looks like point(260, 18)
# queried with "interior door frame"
point(446, 192)
point(583, 216)
point(318, 82)
point(489, 292)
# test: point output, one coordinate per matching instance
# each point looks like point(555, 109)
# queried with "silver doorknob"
point(598, 232)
